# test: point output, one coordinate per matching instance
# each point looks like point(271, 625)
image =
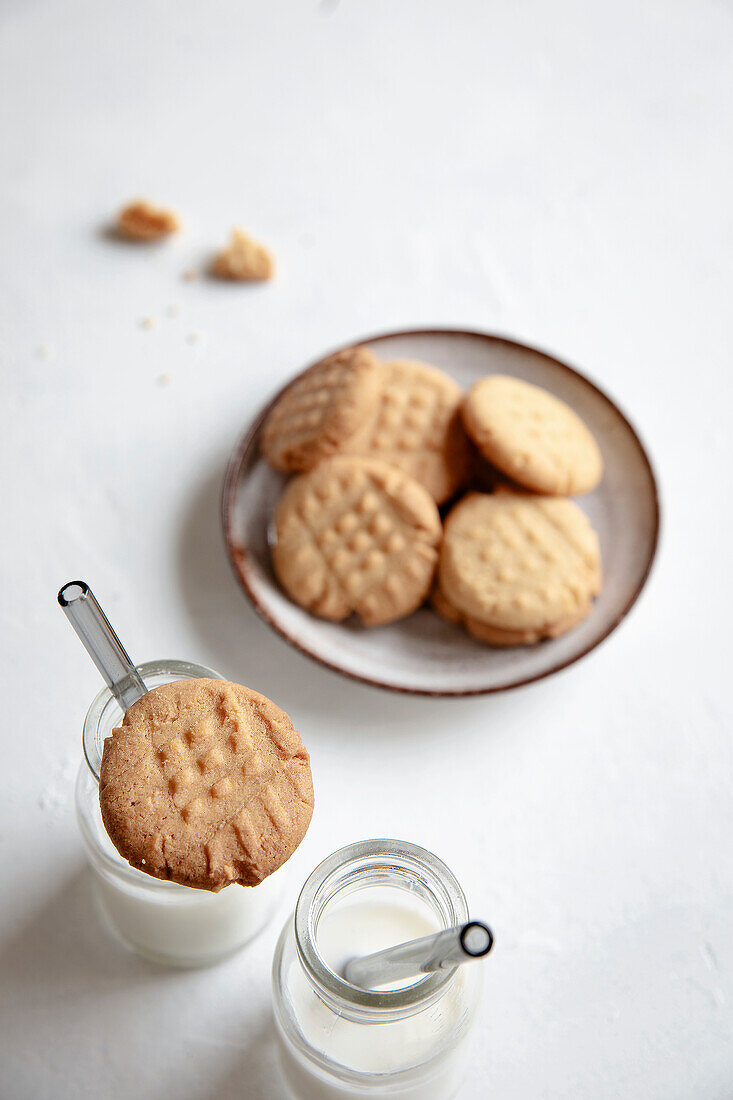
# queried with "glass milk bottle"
point(408, 1039)
point(166, 922)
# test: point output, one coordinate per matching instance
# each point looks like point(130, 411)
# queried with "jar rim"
point(423, 873)
point(178, 670)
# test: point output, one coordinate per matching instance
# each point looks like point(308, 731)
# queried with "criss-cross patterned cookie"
point(520, 563)
point(356, 535)
point(205, 783)
point(321, 410)
point(532, 436)
point(416, 426)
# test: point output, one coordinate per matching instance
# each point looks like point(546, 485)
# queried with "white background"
point(560, 172)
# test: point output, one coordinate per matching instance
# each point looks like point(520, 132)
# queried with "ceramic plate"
point(423, 654)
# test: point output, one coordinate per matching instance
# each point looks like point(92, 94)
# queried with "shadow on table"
point(240, 646)
point(63, 954)
point(69, 993)
point(233, 639)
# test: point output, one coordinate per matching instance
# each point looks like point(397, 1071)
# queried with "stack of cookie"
point(523, 563)
point(378, 447)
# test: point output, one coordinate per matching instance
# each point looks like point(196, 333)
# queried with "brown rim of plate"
point(238, 554)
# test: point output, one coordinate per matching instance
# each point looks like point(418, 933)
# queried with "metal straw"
point(442, 951)
point(101, 643)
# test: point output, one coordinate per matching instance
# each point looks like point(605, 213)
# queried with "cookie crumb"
point(189, 275)
point(173, 311)
point(194, 337)
point(244, 260)
point(165, 379)
point(143, 221)
point(148, 322)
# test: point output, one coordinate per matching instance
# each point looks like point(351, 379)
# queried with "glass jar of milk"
point(408, 1039)
point(166, 922)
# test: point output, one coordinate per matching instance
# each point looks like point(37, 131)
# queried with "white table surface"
point(558, 172)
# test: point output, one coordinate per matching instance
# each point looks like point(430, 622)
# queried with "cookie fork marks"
point(532, 436)
point(416, 427)
point(377, 526)
point(321, 409)
point(488, 571)
point(154, 783)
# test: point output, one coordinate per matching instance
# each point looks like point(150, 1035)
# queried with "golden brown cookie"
point(142, 221)
point(417, 427)
point(495, 636)
point(243, 260)
point(519, 562)
point(356, 535)
point(321, 410)
point(532, 436)
point(205, 783)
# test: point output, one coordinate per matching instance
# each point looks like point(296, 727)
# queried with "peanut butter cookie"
point(417, 427)
point(321, 410)
point(519, 563)
point(532, 436)
point(206, 783)
point(356, 535)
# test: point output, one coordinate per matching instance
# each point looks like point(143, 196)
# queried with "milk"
point(169, 923)
point(186, 927)
point(418, 1050)
point(166, 922)
point(303, 1084)
point(376, 918)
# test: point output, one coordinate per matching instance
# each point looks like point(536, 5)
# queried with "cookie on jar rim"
point(355, 535)
point(206, 783)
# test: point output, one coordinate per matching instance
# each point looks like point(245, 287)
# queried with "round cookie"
point(321, 409)
point(532, 436)
point(205, 783)
point(417, 427)
point(495, 636)
point(518, 562)
point(356, 535)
